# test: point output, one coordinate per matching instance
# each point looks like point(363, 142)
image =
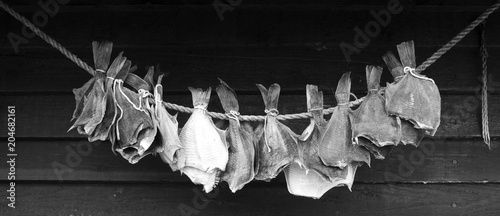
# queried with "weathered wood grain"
point(49, 115)
point(434, 161)
point(167, 199)
point(46, 70)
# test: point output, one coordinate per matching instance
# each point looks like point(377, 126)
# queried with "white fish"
point(203, 144)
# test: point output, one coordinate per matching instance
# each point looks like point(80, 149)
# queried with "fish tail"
point(200, 97)
point(373, 74)
point(227, 97)
point(343, 88)
point(102, 54)
point(314, 98)
point(270, 96)
point(406, 52)
point(393, 64)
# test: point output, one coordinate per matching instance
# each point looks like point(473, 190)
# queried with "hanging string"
point(458, 37)
point(484, 111)
point(306, 115)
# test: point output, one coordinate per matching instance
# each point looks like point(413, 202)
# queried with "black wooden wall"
point(293, 43)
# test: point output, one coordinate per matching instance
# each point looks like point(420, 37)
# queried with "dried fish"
point(371, 121)
point(302, 182)
point(91, 97)
point(204, 153)
point(277, 144)
point(135, 130)
point(102, 131)
point(414, 97)
point(168, 127)
point(336, 147)
point(240, 168)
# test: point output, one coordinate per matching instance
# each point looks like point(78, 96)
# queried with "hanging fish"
point(336, 147)
point(240, 168)
point(409, 134)
point(102, 131)
point(168, 127)
point(300, 180)
point(135, 130)
point(91, 97)
point(204, 154)
point(415, 97)
point(278, 144)
point(371, 121)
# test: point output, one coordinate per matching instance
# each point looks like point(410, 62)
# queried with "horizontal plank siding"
point(164, 199)
point(35, 70)
point(434, 161)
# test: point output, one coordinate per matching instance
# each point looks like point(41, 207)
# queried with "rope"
point(306, 115)
point(48, 39)
point(457, 38)
point(484, 55)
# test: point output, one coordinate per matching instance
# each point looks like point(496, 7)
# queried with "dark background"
point(293, 43)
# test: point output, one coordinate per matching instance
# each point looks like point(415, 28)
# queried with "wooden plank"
point(262, 25)
point(165, 199)
point(46, 70)
point(49, 115)
point(439, 3)
point(434, 161)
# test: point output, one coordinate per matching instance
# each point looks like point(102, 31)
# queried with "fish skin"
point(300, 180)
point(102, 131)
point(414, 97)
point(336, 147)
point(409, 134)
point(308, 142)
point(91, 97)
point(312, 185)
point(134, 128)
point(371, 121)
point(168, 127)
point(278, 144)
point(204, 150)
point(378, 152)
point(240, 168)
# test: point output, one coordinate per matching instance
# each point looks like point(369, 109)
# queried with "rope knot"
point(232, 114)
point(272, 112)
point(408, 69)
point(201, 107)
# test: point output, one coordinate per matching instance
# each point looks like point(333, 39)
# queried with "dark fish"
point(240, 168)
point(336, 147)
point(277, 144)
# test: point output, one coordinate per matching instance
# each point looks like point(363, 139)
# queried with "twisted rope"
point(48, 39)
point(458, 37)
point(179, 108)
point(484, 111)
